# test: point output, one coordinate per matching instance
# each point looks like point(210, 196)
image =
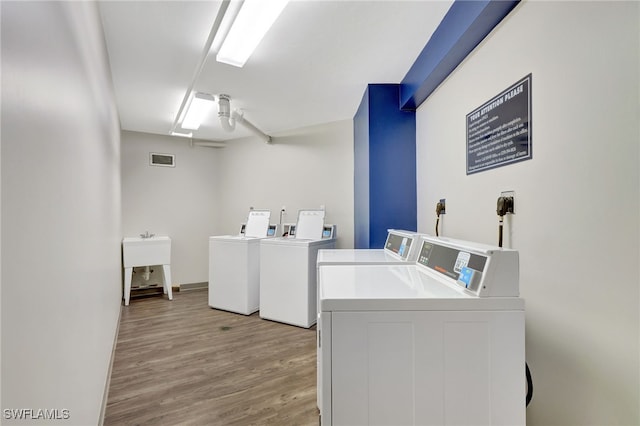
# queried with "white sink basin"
point(146, 251)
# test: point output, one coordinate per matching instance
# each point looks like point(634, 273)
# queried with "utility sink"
point(143, 251)
point(139, 251)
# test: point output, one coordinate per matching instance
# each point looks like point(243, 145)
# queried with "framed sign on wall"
point(499, 131)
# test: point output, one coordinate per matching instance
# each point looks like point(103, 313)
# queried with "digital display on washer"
point(398, 244)
point(451, 262)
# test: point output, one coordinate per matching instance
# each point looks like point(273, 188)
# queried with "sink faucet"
point(146, 235)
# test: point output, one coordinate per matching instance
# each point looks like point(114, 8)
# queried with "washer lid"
point(310, 224)
point(257, 223)
point(397, 287)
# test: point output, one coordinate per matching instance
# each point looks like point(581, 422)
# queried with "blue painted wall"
point(385, 129)
point(361, 175)
point(385, 166)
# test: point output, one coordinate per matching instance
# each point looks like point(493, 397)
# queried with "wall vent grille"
point(162, 160)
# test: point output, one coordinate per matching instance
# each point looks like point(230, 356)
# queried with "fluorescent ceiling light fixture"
point(200, 106)
point(248, 29)
point(182, 135)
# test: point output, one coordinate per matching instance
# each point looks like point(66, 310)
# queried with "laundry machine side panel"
point(284, 283)
point(427, 368)
point(232, 276)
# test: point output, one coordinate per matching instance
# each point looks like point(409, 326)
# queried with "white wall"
point(577, 201)
point(182, 202)
point(210, 190)
point(301, 169)
point(1, 405)
point(61, 270)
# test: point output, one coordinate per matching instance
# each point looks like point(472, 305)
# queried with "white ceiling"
point(311, 68)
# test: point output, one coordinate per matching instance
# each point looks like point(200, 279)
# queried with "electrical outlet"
point(441, 207)
point(506, 203)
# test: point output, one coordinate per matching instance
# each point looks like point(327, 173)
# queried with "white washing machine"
point(437, 342)
point(288, 270)
point(234, 265)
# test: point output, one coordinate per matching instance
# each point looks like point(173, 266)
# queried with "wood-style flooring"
point(182, 363)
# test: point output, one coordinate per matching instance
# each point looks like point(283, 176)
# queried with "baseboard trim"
point(190, 286)
point(105, 395)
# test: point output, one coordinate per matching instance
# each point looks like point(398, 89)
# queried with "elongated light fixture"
point(182, 135)
point(250, 26)
point(200, 106)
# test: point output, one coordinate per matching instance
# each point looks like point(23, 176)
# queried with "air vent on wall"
point(163, 160)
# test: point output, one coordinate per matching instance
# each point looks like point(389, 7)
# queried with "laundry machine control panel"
point(478, 269)
point(399, 244)
point(328, 231)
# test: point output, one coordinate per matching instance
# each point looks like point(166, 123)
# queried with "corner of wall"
point(361, 173)
point(385, 166)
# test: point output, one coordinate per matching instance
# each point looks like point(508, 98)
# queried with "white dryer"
point(234, 265)
point(438, 342)
point(288, 270)
point(400, 247)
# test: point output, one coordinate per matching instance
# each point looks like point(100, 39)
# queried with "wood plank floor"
point(182, 363)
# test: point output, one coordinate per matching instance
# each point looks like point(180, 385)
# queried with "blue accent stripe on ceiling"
point(464, 26)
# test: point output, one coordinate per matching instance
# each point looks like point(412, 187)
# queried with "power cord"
point(529, 384)
point(505, 205)
point(439, 210)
